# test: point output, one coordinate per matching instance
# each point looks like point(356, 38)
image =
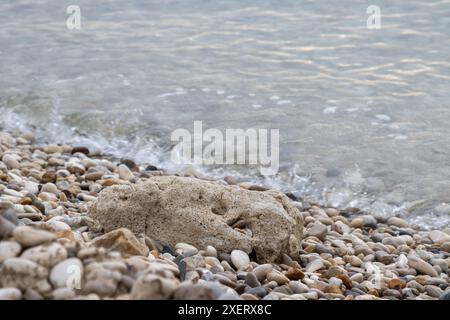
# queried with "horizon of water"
point(363, 113)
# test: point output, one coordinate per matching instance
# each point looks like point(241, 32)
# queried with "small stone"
point(248, 297)
point(262, 270)
point(93, 176)
point(294, 274)
point(445, 295)
point(398, 222)
point(48, 176)
point(317, 230)
point(421, 266)
point(229, 295)
point(357, 222)
point(63, 294)
point(239, 258)
point(251, 280)
point(186, 248)
point(333, 289)
point(298, 287)
point(46, 255)
point(75, 168)
point(9, 249)
point(21, 273)
point(438, 237)
point(445, 246)
point(153, 287)
point(10, 294)
point(320, 248)
point(29, 237)
point(67, 273)
point(124, 241)
point(335, 271)
point(53, 148)
point(211, 251)
point(332, 212)
point(277, 277)
point(433, 291)
point(315, 265)
point(6, 228)
point(10, 161)
point(369, 221)
point(202, 290)
point(57, 226)
point(357, 277)
point(151, 168)
point(345, 280)
point(258, 292)
point(383, 257)
point(83, 150)
point(124, 172)
point(396, 284)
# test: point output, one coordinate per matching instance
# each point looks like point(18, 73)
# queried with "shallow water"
point(363, 114)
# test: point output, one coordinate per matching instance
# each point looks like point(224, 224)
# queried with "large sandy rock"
point(180, 209)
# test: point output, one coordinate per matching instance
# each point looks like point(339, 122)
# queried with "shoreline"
point(46, 192)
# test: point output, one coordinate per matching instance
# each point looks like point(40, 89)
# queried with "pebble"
point(67, 273)
point(438, 237)
point(398, 222)
point(445, 246)
point(317, 230)
point(186, 248)
point(251, 280)
point(434, 291)
point(10, 294)
point(383, 257)
point(46, 255)
point(152, 287)
point(29, 237)
point(445, 295)
point(421, 266)
point(125, 173)
point(63, 294)
point(262, 270)
point(83, 150)
point(294, 274)
point(10, 161)
point(258, 292)
point(9, 249)
point(21, 273)
point(357, 222)
point(277, 277)
point(315, 265)
point(6, 228)
point(210, 251)
point(298, 287)
point(239, 258)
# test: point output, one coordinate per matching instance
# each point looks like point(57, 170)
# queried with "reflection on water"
point(363, 114)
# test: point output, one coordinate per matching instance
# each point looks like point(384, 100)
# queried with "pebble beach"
point(51, 247)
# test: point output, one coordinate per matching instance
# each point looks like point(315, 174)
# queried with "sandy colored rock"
point(181, 209)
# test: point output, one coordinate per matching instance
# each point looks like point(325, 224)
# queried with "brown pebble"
point(345, 280)
point(295, 274)
point(396, 284)
point(81, 150)
point(48, 176)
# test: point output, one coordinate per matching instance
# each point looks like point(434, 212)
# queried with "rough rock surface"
point(182, 209)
